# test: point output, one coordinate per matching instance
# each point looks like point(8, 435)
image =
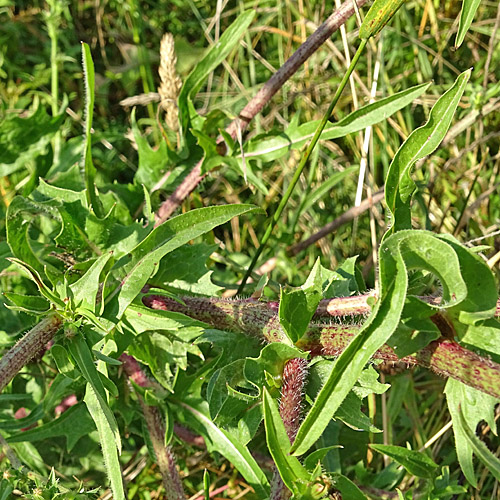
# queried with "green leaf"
point(206, 484)
point(153, 163)
point(469, 8)
point(210, 61)
point(23, 139)
point(82, 355)
point(225, 401)
point(311, 461)
point(278, 444)
point(227, 446)
point(294, 137)
point(490, 461)
point(32, 304)
point(86, 288)
point(268, 367)
point(186, 270)
point(399, 186)
point(349, 411)
point(61, 426)
point(347, 488)
point(398, 254)
point(297, 306)
point(42, 287)
point(468, 406)
point(415, 462)
point(20, 214)
point(166, 352)
point(63, 362)
point(108, 442)
point(378, 16)
point(89, 169)
point(135, 269)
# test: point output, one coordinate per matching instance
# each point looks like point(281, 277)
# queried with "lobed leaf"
point(490, 461)
point(415, 462)
point(23, 139)
point(61, 426)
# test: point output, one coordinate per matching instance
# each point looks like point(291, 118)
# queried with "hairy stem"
point(444, 357)
point(26, 348)
point(292, 389)
point(263, 96)
point(156, 428)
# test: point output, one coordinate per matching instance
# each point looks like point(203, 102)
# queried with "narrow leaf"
point(212, 59)
point(378, 16)
point(399, 186)
point(295, 137)
point(469, 8)
point(108, 443)
point(82, 355)
point(289, 467)
point(298, 305)
point(238, 455)
point(398, 254)
point(86, 288)
point(490, 461)
point(135, 269)
point(415, 462)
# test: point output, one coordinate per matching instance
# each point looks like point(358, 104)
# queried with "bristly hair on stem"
point(444, 357)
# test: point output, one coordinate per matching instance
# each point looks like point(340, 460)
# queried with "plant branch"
point(292, 388)
point(26, 348)
point(302, 164)
point(444, 357)
point(346, 217)
point(263, 96)
point(156, 428)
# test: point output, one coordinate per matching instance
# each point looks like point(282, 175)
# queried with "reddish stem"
point(27, 348)
point(156, 428)
point(294, 379)
point(444, 357)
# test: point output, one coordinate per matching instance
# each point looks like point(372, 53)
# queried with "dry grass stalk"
point(170, 81)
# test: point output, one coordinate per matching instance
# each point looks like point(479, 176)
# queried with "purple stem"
point(292, 389)
point(26, 348)
point(444, 357)
point(156, 428)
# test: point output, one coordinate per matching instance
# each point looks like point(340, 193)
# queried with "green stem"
point(52, 25)
point(275, 218)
